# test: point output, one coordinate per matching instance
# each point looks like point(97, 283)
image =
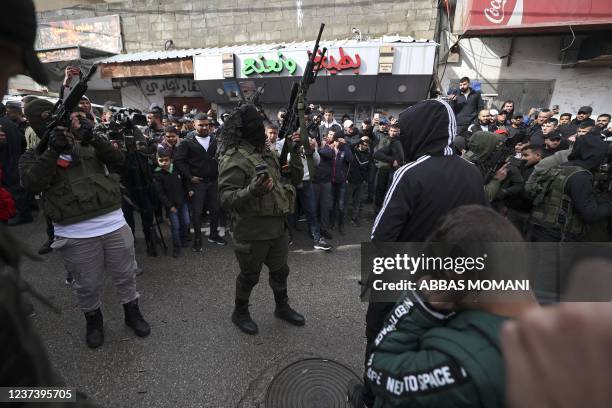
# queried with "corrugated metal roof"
point(249, 48)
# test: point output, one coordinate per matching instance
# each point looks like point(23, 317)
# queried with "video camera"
point(122, 124)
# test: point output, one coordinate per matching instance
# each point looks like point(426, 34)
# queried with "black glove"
point(85, 131)
point(59, 141)
point(257, 187)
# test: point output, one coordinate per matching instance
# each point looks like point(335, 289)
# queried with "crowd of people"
point(446, 170)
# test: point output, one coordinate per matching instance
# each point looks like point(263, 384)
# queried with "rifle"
point(63, 107)
point(296, 110)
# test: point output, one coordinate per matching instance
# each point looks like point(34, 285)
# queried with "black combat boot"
point(242, 318)
point(95, 329)
point(134, 319)
point(284, 311)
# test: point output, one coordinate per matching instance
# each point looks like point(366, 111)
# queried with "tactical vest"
point(278, 202)
point(82, 191)
point(553, 208)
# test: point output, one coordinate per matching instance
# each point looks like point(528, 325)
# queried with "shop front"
point(356, 77)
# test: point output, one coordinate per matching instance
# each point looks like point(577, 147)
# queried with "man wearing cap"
point(350, 131)
point(15, 114)
point(584, 115)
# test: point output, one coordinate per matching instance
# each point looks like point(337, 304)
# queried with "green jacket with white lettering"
point(422, 358)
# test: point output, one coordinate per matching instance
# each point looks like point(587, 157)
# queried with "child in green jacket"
point(442, 349)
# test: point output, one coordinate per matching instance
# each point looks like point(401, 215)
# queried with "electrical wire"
point(571, 43)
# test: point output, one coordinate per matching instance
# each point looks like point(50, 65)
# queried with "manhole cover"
point(310, 383)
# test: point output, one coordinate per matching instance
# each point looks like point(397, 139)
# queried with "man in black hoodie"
point(567, 204)
point(195, 160)
point(433, 182)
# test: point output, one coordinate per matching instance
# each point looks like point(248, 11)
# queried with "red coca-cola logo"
point(496, 12)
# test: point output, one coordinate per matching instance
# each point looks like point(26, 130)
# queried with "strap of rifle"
point(301, 108)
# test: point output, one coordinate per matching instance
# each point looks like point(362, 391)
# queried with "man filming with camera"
point(83, 199)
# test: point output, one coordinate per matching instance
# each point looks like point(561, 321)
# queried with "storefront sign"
point(334, 65)
point(101, 33)
point(499, 15)
point(263, 65)
point(66, 54)
point(170, 87)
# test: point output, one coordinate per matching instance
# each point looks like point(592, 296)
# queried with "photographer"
point(136, 172)
point(83, 199)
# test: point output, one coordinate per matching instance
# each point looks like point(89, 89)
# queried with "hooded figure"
point(588, 152)
point(575, 179)
point(482, 145)
point(433, 182)
point(243, 124)
point(38, 113)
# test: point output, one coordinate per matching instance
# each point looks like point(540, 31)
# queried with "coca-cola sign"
point(496, 15)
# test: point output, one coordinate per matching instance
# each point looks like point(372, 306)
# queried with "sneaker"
point(217, 240)
point(355, 223)
point(69, 282)
point(321, 244)
point(176, 251)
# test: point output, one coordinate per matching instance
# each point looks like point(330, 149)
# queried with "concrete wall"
point(533, 58)
point(147, 24)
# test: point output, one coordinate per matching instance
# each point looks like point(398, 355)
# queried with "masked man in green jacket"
point(251, 191)
point(71, 167)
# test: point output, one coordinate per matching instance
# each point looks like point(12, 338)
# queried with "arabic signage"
point(101, 33)
point(261, 65)
point(334, 65)
point(265, 65)
point(500, 15)
point(170, 87)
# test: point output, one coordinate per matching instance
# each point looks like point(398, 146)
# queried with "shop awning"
point(491, 17)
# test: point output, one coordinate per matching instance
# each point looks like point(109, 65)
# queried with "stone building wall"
point(148, 24)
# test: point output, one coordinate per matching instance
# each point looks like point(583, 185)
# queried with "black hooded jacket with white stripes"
point(434, 180)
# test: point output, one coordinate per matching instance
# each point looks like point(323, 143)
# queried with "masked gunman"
point(70, 166)
point(251, 190)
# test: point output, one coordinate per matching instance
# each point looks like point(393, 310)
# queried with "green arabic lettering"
point(291, 65)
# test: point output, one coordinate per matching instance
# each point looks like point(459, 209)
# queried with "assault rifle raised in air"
point(296, 110)
point(64, 106)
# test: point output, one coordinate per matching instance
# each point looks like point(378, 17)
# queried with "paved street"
point(195, 357)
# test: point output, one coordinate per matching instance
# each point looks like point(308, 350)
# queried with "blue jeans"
point(179, 223)
point(323, 203)
point(339, 195)
point(307, 200)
